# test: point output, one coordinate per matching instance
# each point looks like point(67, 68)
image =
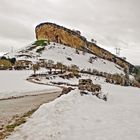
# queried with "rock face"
point(59, 34)
point(56, 33)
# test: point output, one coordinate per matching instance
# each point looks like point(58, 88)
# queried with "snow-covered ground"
point(61, 53)
point(72, 116)
point(70, 81)
point(82, 61)
point(76, 117)
point(2, 53)
point(14, 83)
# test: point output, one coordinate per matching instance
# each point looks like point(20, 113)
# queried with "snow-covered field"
point(14, 83)
point(76, 117)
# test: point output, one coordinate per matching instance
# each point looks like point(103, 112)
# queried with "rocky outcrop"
point(59, 34)
point(52, 32)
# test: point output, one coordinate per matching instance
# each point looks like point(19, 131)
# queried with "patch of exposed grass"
point(40, 43)
point(11, 127)
point(17, 122)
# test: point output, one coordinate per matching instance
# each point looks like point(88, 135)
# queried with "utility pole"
point(117, 51)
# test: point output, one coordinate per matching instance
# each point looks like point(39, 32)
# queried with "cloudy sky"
point(113, 23)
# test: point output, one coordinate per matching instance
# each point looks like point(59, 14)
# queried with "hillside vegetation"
point(137, 71)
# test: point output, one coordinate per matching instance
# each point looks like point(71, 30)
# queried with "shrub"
point(3, 58)
point(40, 43)
point(5, 64)
point(76, 51)
point(90, 60)
point(137, 73)
point(40, 49)
point(61, 66)
point(74, 69)
point(66, 90)
point(35, 67)
point(13, 60)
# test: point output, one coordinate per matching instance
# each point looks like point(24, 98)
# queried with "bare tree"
point(90, 60)
point(35, 67)
point(74, 69)
point(61, 67)
point(50, 65)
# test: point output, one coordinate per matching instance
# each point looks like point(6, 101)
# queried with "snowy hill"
point(67, 56)
point(76, 116)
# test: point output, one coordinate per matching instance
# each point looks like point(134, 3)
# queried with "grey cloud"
point(111, 22)
point(11, 28)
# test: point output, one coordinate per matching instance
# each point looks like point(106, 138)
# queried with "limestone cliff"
point(59, 34)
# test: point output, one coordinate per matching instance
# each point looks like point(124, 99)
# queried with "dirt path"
point(17, 107)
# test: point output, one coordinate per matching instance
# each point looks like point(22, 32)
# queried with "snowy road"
point(14, 84)
point(12, 107)
point(76, 117)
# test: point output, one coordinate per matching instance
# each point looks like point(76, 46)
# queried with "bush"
point(40, 49)
point(13, 60)
point(76, 51)
point(41, 42)
point(3, 58)
point(90, 60)
point(35, 67)
point(5, 64)
point(66, 90)
point(138, 78)
point(137, 73)
point(74, 68)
